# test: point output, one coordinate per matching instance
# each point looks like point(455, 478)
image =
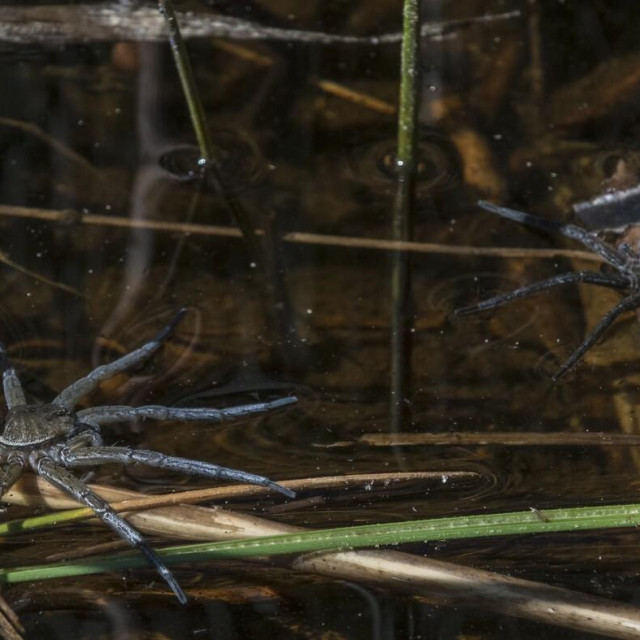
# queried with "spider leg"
point(124, 455)
point(107, 415)
point(589, 240)
point(85, 435)
point(10, 472)
point(590, 277)
point(69, 396)
point(68, 483)
point(13, 393)
point(630, 302)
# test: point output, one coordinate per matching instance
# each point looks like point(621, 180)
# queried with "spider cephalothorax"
point(53, 438)
point(28, 425)
point(624, 276)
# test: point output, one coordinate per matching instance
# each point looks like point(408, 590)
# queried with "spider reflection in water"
point(623, 260)
point(53, 438)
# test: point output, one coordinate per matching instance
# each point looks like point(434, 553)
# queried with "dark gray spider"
point(624, 259)
point(52, 438)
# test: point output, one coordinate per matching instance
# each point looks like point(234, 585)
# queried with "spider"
point(53, 438)
point(623, 277)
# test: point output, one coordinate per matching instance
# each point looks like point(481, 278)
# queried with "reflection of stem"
point(79, 162)
point(177, 252)
point(536, 69)
point(273, 292)
point(87, 172)
point(5, 259)
point(63, 149)
point(403, 213)
point(536, 72)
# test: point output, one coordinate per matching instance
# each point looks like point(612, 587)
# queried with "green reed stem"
point(403, 213)
point(16, 527)
point(273, 292)
point(409, 89)
point(347, 538)
point(189, 87)
point(207, 150)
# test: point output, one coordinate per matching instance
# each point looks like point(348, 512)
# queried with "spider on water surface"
point(53, 438)
point(624, 276)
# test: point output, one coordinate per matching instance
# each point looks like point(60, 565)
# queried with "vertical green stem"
point(409, 89)
point(191, 94)
point(211, 165)
point(274, 293)
point(403, 213)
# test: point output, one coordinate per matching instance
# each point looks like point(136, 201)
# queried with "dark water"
point(102, 130)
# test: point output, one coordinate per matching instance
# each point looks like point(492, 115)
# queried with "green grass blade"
point(476, 526)
point(56, 518)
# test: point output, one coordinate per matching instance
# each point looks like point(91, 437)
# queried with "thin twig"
point(10, 625)
point(296, 237)
point(60, 147)
point(357, 97)
point(23, 493)
point(5, 259)
point(80, 164)
point(500, 439)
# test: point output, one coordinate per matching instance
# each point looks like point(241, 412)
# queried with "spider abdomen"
point(27, 426)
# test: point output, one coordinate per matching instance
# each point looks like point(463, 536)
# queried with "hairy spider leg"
point(85, 435)
point(69, 396)
point(10, 471)
point(626, 304)
point(106, 415)
point(609, 253)
point(124, 455)
point(71, 485)
point(589, 277)
point(117, 413)
point(13, 393)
